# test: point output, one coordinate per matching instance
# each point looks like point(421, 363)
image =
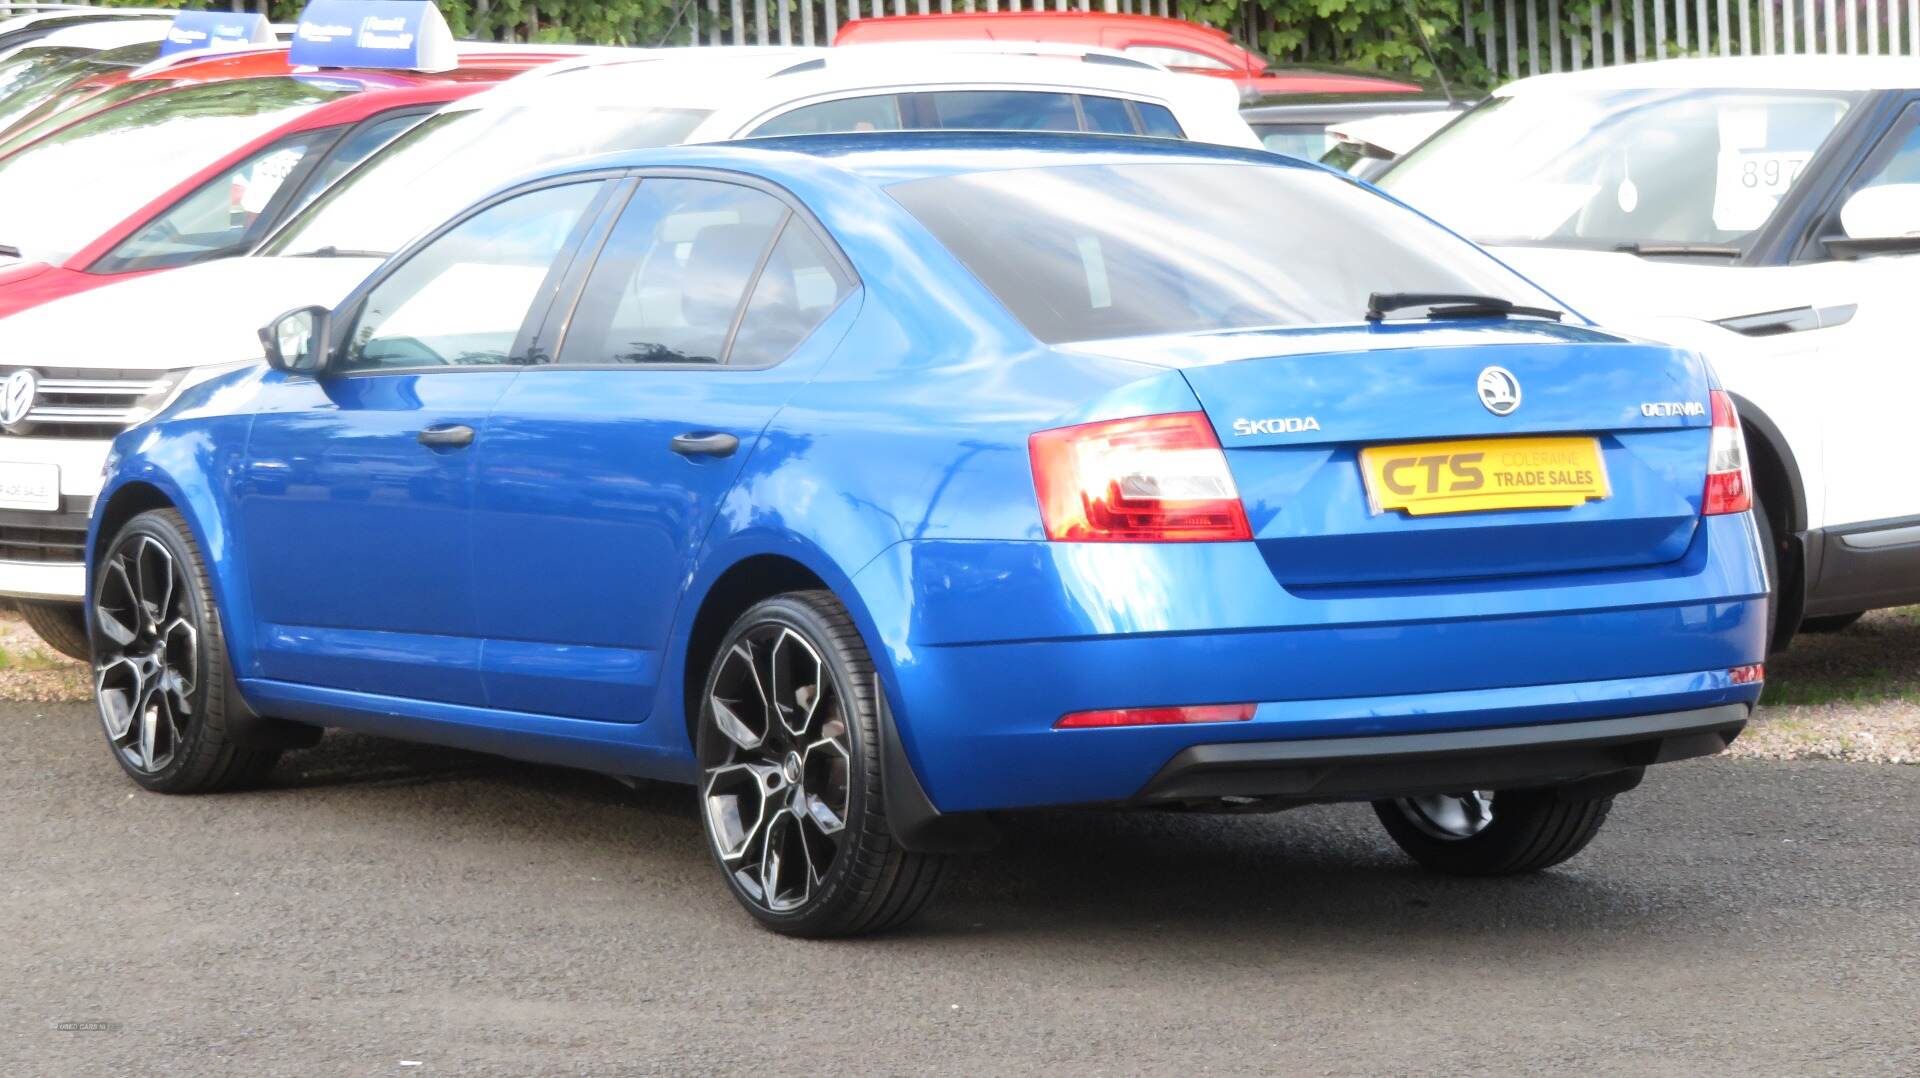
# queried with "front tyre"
point(162, 684)
point(1492, 833)
point(60, 626)
point(789, 746)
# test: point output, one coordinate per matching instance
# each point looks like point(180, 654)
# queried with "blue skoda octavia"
point(872, 484)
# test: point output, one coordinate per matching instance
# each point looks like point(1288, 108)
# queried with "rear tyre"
point(162, 683)
point(788, 740)
point(61, 626)
point(1492, 833)
point(1831, 623)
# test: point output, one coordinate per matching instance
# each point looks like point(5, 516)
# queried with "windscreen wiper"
point(9, 252)
point(1451, 305)
point(1656, 250)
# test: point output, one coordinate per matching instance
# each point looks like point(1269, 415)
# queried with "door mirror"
point(1880, 220)
point(297, 342)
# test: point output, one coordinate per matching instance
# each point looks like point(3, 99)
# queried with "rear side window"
point(1158, 121)
point(1084, 252)
point(975, 110)
point(671, 277)
point(1001, 110)
point(799, 288)
point(1107, 115)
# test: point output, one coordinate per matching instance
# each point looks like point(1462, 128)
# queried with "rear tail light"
point(1729, 487)
point(1750, 674)
point(1154, 479)
point(1155, 716)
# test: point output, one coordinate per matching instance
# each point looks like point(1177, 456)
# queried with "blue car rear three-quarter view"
point(875, 484)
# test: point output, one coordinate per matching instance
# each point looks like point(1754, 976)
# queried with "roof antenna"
point(1427, 45)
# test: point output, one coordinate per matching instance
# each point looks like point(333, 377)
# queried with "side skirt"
point(615, 748)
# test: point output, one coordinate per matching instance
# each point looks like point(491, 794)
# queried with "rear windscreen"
point(1085, 252)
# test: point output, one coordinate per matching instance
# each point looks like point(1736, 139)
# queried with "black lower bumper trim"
point(1399, 765)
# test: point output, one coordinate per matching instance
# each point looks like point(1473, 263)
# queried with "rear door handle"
point(705, 443)
point(448, 437)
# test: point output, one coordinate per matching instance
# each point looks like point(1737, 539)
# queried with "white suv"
point(121, 352)
point(1765, 212)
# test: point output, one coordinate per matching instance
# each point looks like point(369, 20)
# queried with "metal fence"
point(1525, 37)
point(1516, 37)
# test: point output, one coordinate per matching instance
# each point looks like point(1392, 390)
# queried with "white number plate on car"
point(29, 486)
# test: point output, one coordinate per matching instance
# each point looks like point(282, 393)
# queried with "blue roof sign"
point(213, 30)
point(392, 34)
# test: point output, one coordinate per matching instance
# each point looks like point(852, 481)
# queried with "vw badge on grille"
point(19, 390)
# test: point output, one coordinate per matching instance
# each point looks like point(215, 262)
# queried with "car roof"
point(1735, 73)
point(738, 78)
point(884, 158)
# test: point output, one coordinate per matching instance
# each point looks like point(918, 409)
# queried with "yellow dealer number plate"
point(1496, 473)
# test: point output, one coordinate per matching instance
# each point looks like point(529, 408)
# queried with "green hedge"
point(1377, 35)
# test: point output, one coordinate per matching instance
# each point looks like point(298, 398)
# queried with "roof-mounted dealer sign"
point(373, 33)
point(214, 30)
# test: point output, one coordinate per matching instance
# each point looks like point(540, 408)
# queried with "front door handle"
point(449, 437)
point(705, 443)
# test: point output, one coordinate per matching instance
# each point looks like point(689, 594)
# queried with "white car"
point(1764, 211)
point(124, 350)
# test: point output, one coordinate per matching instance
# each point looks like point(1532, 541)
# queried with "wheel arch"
point(140, 485)
point(1782, 495)
point(733, 584)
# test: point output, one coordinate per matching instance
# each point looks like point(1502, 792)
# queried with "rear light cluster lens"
point(1154, 479)
point(1155, 716)
point(1729, 486)
point(1750, 674)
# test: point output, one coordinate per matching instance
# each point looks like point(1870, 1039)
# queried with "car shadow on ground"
point(1194, 877)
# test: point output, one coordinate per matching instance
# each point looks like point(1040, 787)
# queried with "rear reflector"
point(1154, 479)
point(1156, 716)
point(1729, 487)
point(1750, 674)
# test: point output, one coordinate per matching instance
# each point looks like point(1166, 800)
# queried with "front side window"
point(671, 276)
point(1083, 252)
point(462, 299)
point(1619, 169)
point(361, 143)
point(219, 219)
point(61, 193)
point(452, 158)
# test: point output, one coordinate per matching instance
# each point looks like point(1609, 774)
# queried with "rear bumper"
point(987, 644)
point(1366, 768)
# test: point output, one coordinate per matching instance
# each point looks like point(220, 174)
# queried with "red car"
point(203, 167)
point(1180, 45)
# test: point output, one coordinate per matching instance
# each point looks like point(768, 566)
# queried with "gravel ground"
point(379, 904)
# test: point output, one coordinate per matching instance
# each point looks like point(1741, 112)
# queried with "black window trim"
point(285, 212)
point(347, 314)
point(560, 312)
point(1870, 149)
